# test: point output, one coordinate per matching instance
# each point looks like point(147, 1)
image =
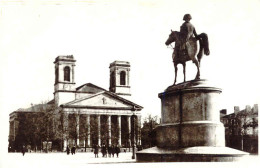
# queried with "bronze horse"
point(181, 56)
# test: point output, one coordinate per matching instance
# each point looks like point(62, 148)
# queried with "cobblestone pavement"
point(57, 160)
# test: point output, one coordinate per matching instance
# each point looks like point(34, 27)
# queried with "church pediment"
point(102, 100)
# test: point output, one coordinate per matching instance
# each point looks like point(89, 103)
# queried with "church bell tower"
point(64, 86)
point(119, 78)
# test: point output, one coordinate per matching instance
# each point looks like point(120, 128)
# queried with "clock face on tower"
point(65, 86)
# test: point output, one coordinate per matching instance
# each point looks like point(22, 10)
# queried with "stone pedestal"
point(191, 129)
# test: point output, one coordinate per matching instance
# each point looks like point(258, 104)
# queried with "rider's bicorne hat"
point(187, 16)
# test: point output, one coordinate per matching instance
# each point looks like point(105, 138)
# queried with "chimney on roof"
point(223, 112)
point(248, 109)
point(236, 109)
point(255, 108)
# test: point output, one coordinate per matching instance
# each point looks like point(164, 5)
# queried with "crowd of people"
point(107, 151)
point(72, 150)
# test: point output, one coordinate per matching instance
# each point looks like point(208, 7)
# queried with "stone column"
point(77, 127)
point(109, 129)
point(14, 131)
point(73, 74)
point(77, 124)
point(65, 130)
point(88, 129)
point(139, 130)
point(119, 129)
point(99, 137)
point(129, 129)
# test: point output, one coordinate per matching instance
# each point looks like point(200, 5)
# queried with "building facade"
point(241, 128)
point(89, 115)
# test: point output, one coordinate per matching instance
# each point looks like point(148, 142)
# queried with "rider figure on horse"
point(187, 30)
point(186, 47)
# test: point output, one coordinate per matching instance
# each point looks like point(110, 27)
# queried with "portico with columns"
point(92, 115)
point(109, 127)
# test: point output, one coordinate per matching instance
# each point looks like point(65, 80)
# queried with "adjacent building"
point(87, 115)
point(241, 128)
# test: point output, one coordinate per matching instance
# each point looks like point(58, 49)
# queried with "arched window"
point(67, 73)
point(122, 78)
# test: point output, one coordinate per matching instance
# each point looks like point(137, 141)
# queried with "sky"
point(96, 33)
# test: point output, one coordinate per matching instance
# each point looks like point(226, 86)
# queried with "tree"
point(148, 134)
point(30, 129)
point(25, 130)
point(83, 130)
point(247, 124)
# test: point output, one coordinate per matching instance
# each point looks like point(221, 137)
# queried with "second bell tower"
point(119, 78)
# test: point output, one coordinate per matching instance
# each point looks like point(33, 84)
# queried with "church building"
point(89, 115)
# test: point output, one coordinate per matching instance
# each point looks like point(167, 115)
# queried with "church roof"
point(51, 102)
point(89, 88)
point(35, 108)
point(38, 108)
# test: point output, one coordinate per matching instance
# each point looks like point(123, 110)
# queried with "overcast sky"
point(34, 33)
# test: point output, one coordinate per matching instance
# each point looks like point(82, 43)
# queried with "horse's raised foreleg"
point(176, 70)
point(184, 71)
point(198, 69)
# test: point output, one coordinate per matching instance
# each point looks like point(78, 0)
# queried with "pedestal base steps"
point(190, 154)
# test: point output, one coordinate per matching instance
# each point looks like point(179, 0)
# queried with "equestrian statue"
point(186, 46)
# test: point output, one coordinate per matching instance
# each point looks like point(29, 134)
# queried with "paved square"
point(36, 160)
point(86, 160)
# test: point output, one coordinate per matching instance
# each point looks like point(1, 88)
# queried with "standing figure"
point(117, 150)
point(73, 150)
point(68, 150)
point(104, 151)
point(113, 150)
point(23, 150)
point(96, 151)
point(109, 150)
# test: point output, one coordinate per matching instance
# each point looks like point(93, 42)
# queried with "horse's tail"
point(199, 56)
point(204, 42)
point(204, 45)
